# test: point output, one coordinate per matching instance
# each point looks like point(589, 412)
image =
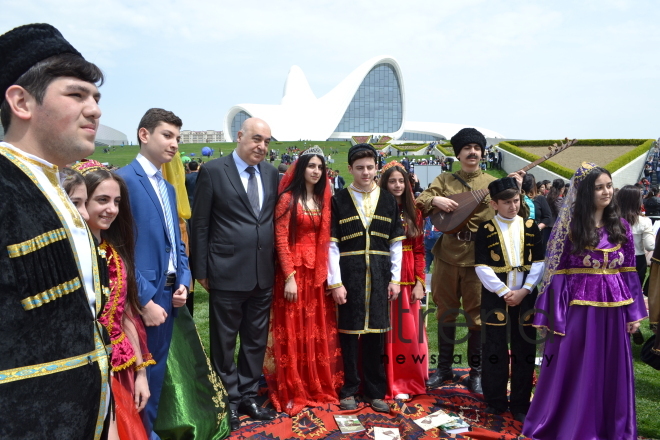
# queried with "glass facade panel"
point(408, 136)
point(377, 105)
point(236, 123)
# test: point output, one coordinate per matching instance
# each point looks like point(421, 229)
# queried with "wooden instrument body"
point(453, 222)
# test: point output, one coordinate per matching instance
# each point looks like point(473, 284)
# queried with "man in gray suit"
point(232, 258)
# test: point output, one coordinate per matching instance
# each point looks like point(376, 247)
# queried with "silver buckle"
point(464, 235)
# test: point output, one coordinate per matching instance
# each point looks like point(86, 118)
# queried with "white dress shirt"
point(152, 172)
point(241, 166)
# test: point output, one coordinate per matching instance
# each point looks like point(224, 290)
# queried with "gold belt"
point(32, 371)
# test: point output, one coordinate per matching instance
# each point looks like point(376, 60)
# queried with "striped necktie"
point(165, 199)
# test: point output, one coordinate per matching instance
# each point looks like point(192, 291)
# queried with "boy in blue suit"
point(162, 264)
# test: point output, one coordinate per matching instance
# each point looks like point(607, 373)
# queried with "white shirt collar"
point(148, 167)
point(241, 164)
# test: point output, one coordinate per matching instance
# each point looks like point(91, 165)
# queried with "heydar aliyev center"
point(370, 101)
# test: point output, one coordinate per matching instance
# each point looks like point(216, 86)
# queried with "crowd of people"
point(315, 285)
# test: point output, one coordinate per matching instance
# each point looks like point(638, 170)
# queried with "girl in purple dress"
point(591, 298)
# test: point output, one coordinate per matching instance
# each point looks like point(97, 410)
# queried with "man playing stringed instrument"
point(454, 278)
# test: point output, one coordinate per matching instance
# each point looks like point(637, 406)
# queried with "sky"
point(526, 69)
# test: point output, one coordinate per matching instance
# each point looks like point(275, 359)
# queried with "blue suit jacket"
point(152, 248)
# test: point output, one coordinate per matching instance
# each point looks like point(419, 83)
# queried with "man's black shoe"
point(234, 420)
point(251, 409)
point(438, 378)
point(493, 410)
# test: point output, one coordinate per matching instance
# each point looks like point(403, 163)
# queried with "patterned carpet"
point(318, 423)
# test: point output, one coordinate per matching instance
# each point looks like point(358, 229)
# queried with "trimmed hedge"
point(580, 143)
point(631, 155)
point(409, 147)
point(445, 149)
point(548, 165)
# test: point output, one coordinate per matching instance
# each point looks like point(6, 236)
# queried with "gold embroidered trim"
point(348, 237)
point(548, 328)
point(361, 332)
point(290, 275)
point(594, 271)
point(395, 239)
point(396, 282)
point(38, 300)
point(577, 302)
point(145, 364)
point(615, 248)
point(32, 371)
point(38, 242)
point(407, 248)
point(334, 239)
point(380, 234)
point(423, 283)
point(125, 365)
point(506, 269)
point(334, 286)
point(346, 254)
point(350, 219)
point(380, 217)
point(379, 253)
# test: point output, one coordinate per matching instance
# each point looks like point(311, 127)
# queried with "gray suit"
point(234, 250)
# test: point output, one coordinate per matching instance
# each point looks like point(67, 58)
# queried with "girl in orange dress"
point(406, 350)
point(303, 364)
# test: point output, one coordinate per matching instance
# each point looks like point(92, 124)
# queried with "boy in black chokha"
point(364, 271)
point(509, 263)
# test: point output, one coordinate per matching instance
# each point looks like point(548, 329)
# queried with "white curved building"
point(107, 136)
point(370, 101)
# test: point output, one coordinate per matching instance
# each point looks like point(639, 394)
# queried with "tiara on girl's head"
point(88, 165)
point(313, 150)
point(389, 165)
point(583, 171)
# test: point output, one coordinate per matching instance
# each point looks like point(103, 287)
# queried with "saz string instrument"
point(468, 202)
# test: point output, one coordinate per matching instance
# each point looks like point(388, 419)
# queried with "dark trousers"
point(245, 314)
point(365, 350)
point(641, 266)
point(158, 342)
point(495, 362)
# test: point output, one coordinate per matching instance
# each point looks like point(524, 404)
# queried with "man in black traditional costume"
point(53, 361)
point(509, 262)
point(364, 272)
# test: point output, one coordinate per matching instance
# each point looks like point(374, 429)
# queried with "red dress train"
point(406, 350)
point(303, 365)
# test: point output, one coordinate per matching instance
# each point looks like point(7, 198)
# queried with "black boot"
point(474, 360)
point(445, 355)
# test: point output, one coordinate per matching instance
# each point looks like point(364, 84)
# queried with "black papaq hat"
point(24, 46)
point(361, 147)
point(497, 186)
point(468, 136)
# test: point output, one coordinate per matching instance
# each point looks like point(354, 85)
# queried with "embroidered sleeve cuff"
point(528, 287)
point(395, 239)
point(421, 281)
point(396, 282)
point(145, 364)
point(334, 286)
point(290, 275)
point(336, 240)
point(502, 291)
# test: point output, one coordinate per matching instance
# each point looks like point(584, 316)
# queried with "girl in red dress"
point(111, 223)
point(303, 364)
point(406, 350)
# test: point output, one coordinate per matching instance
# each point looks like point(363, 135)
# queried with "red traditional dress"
point(406, 348)
point(303, 364)
point(123, 359)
